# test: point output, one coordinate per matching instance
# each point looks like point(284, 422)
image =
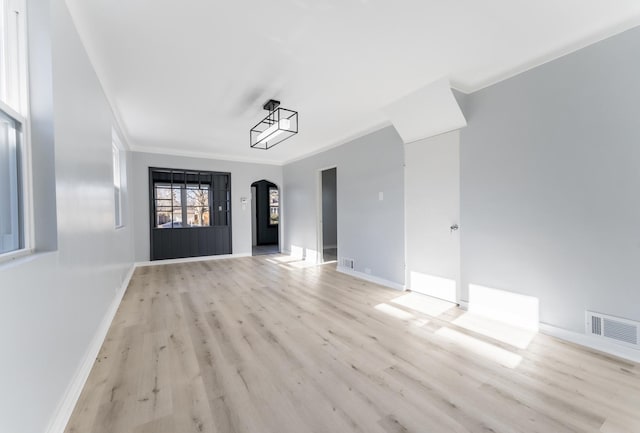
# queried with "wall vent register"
point(623, 331)
point(346, 263)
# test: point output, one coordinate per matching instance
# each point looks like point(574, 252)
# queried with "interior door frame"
point(319, 223)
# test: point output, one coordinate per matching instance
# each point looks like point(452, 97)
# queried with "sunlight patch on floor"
point(504, 306)
point(297, 252)
point(394, 312)
point(513, 335)
point(282, 259)
point(482, 348)
point(300, 265)
point(398, 313)
point(423, 304)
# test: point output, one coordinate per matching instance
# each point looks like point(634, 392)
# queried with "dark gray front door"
point(190, 213)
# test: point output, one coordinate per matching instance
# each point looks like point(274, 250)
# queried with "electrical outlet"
point(367, 271)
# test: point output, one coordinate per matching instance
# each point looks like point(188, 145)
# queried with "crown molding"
point(340, 142)
point(205, 155)
point(556, 54)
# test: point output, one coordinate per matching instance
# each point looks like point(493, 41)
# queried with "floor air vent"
point(346, 263)
point(614, 328)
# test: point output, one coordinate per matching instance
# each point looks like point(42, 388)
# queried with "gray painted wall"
point(242, 176)
point(550, 183)
point(53, 302)
point(41, 111)
point(254, 215)
point(369, 231)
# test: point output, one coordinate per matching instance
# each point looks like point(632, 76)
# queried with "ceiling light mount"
point(271, 105)
point(280, 124)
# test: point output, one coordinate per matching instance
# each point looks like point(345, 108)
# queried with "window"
point(119, 161)
point(183, 199)
point(274, 206)
point(117, 184)
point(13, 75)
point(179, 206)
point(14, 203)
point(11, 221)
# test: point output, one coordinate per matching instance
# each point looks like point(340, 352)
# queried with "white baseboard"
point(64, 410)
point(371, 278)
point(591, 342)
point(191, 259)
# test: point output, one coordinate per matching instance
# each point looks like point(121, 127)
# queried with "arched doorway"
point(265, 214)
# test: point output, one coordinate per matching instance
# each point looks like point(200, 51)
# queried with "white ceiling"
point(190, 77)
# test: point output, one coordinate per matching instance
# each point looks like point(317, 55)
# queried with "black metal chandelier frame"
point(277, 126)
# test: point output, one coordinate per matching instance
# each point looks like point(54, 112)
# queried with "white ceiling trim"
point(204, 155)
point(342, 141)
point(232, 158)
point(549, 57)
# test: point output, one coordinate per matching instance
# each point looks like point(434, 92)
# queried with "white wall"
point(370, 231)
point(52, 303)
point(242, 176)
point(550, 182)
point(254, 217)
point(432, 205)
point(41, 108)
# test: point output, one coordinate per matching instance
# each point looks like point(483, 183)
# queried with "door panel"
point(432, 206)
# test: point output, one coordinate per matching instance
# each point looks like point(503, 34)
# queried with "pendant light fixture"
point(279, 125)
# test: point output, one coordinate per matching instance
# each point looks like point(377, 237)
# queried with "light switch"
point(381, 196)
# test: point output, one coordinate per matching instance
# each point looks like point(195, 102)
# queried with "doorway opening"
point(265, 219)
point(329, 215)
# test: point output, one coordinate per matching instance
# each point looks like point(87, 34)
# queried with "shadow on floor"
point(259, 250)
point(330, 254)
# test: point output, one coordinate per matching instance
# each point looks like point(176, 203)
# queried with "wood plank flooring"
point(267, 345)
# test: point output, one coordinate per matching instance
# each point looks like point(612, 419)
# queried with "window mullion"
point(183, 202)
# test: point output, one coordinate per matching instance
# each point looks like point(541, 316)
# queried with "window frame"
point(119, 163)
point(219, 208)
point(14, 89)
point(273, 206)
point(20, 114)
point(182, 208)
point(25, 196)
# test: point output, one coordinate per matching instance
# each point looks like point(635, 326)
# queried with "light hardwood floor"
point(267, 345)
